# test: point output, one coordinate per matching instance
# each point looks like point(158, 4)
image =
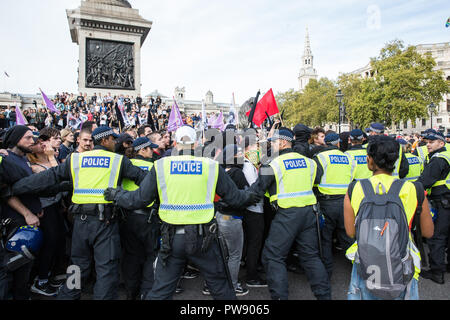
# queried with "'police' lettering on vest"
point(361, 159)
point(413, 161)
point(186, 167)
point(335, 159)
point(294, 164)
point(95, 162)
point(144, 168)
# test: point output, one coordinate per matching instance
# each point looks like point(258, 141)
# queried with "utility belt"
point(104, 212)
point(325, 197)
point(443, 201)
point(207, 233)
point(150, 213)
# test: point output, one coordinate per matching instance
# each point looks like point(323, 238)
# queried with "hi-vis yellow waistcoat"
point(359, 157)
point(408, 196)
point(338, 172)
point(396, 171)
point(294, 176)
point(93, 172)
point(415, 167)
point(422, 153)
point(445, 155)
point(186, 187)
point(128, 184)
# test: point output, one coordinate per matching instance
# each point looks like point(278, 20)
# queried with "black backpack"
point(382, 234)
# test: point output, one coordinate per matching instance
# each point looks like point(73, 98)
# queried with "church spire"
point(307, 53)
point(307, 71)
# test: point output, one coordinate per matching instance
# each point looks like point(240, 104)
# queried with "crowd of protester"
point(55, 140)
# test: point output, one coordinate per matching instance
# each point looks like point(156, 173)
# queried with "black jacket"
point(436, 169)
point(237, 175)
point(148, 192)
point(37, 183)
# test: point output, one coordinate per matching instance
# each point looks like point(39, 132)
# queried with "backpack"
point(382, 233)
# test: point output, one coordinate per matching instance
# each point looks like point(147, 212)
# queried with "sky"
point(223, 46)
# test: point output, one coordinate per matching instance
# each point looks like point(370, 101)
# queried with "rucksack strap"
point(367, 188)
point(396, 186)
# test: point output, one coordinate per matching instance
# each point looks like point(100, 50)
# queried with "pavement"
point(299, 288)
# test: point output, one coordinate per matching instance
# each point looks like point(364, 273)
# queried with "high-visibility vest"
point(359, 157)
point(186, 188)
point(128, 184)
point(396, 171)
point(446, 181)
point(93, 172)
point(338, 172)
point(422, 153)
point(294, 178)
point(408, 197)
point(415, 167)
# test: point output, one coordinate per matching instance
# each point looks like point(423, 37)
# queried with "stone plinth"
point(109, 35)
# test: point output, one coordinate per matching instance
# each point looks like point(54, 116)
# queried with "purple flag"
point(49, 103)
point(175, 119)
point(20, 119)
point(218, 123)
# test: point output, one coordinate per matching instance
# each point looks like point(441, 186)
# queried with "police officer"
point(335, 171)
point(359, 155)
point(435, 177)
point(289, 180)
point(415, 164)
point(401, 165)
point(95, 231)
point(421, 150)
point(186, 186)
point(139, 231)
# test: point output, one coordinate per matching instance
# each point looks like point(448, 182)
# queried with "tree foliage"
point(404, 83)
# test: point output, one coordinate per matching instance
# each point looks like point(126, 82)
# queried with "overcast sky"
point(229, 46)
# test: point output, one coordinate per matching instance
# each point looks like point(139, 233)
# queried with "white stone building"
point(192, 106)
point(441, 117)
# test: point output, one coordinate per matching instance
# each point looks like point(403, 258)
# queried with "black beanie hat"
point(13, 136)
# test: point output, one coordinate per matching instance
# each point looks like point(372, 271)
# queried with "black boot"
point(435, 276)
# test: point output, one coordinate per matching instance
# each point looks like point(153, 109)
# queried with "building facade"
point(441, 116)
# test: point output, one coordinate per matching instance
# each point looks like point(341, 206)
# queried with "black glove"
point(253, 198)
point(110, 194)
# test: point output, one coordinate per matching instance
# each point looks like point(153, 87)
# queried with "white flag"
point(232, 113)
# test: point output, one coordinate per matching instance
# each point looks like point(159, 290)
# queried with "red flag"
point(266, 104)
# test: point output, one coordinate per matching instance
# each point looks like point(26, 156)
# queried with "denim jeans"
point(358, 290)
point(232, 231)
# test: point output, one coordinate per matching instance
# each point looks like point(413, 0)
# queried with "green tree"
point(404, 84)
point(316, 106)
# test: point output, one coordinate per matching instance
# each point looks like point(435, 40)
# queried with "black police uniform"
point(332, 207)
point(170, 264)
point(288, 226)
point(438, 169)
point(91, 237)
point(140, 232)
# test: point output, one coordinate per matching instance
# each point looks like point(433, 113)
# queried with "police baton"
point(225, 257)
point(316, 212)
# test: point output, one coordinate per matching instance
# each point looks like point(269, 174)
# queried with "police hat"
point(376, 127)
point(356, 134)
point(402, 141)
point(332, 138)
point(144, 142)
point(434, 135)
point(282, 134)
point(103, 132)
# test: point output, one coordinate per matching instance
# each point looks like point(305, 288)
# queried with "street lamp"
point(432, 108)
point(339, 98)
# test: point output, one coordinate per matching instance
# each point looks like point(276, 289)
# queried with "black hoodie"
point(302, 135)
